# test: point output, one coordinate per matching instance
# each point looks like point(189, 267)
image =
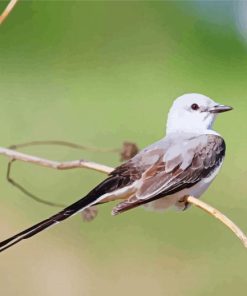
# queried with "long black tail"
point(60, 216)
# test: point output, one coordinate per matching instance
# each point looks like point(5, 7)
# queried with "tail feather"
point(60, 216)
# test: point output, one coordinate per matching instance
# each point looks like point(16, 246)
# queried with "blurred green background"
point(99, 73)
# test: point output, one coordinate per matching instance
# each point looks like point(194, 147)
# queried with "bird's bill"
point(220, 109)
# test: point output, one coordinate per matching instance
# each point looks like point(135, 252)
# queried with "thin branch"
point(7, 10)
point(55, 164)
point(25, 191)
point(106, 169)
point(66, 144)
point(218, 215)
point(87, 213)
point(127, 151)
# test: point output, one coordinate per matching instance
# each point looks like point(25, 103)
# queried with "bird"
point(183, 163)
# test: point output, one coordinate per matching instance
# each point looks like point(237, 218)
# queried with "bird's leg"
point(182, 204)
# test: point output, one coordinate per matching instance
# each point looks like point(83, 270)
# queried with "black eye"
point(194, 107)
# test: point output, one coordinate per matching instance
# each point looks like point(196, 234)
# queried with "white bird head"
point(193, 113)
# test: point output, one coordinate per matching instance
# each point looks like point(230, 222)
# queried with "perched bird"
point(162, 175)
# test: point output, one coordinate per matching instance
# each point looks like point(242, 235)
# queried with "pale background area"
point(98, 73)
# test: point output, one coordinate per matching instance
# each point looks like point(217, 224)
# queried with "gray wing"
point(180, 164)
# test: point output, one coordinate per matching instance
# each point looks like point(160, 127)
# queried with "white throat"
point(179, 121)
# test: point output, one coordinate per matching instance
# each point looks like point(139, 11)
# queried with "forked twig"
point(127, 151)
point(87, 215)
point(7, 10)
point(106, 169)
point(25, 191)
point(50, 142)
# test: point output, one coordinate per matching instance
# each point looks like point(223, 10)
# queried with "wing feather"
point(196, 160)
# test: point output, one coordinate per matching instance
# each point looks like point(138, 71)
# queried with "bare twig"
point(86, 214)
point(55, 164)
point(127, 151)
point(66, 144)
point(218, 215)
point(25, 191)
point(7, 10)
point(14, 155)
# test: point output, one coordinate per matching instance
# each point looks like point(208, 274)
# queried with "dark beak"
point(220, 109)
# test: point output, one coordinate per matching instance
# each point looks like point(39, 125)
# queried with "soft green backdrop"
point(98, 73)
